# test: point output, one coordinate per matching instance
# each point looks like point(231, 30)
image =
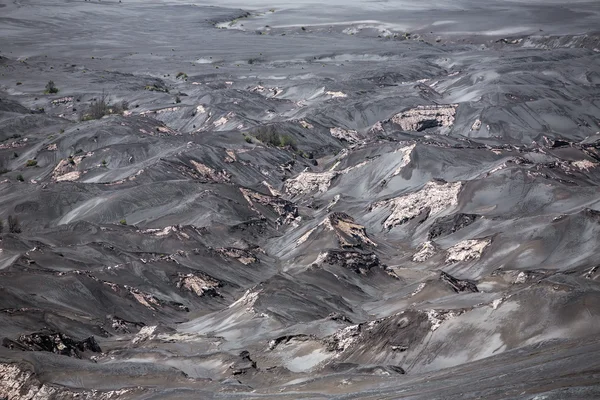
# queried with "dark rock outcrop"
point(449, 224)
point(361, 263)
point(243, 365)
point(458, 285)
point(53, 342)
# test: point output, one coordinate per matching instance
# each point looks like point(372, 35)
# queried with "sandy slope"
point(358, 200)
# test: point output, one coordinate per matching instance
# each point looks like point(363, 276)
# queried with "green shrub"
point(248, 139)
point(123, 222)
point(181, 75)
point(31, 163)
point(51, 88)
point(277, 140)
point(20, 178)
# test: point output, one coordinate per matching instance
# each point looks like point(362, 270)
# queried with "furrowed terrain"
point(364, 201)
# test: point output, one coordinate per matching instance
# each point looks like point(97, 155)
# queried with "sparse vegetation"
point(13, 224)
point(20, 178)
point(181, 75)
point(277, 140)
point(51, 88)
point(123, 222)
point(31, 163)
point(177, 99)
point(100, 107)
point(248, 139)
point(104, 163)
point(1, 226)
point(156, 88)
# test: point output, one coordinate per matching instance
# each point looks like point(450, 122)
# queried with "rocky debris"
point(230, 156)
point(247, 300)
point(393, 334)
point(20, 383)
point(335, 316)
point(467, 250)
point(69, 177)
point(361, 263)
point(146, 333)
point(424, 252)
point(53, 342)
point(349, 233)
point(66, 169)
point(211, 174)
point(449, 224)
point(310, 182)
point(246, 257)
point(438, 317)
point(200, 285)
point(418, 289)
point(343, 338)
point(584, 165)
point(145, 299)
point(306, 125)
point(286, 210)
point(176, 230)
point(424, 117)
point(122, 326)
point(458, 285)
point(509, 41)
point(476, 125)
point(62, 100)
point(243, 365)
point(350, 136)
point(287, 338)
point(432, 199)
point(406, 158)
point(591, 272)
point(337, 95)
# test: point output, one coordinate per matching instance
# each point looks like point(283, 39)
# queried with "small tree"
point(51, 88)
point(13, 224)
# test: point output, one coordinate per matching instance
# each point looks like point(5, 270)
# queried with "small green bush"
point(277, 140)
point(181, 75)
point(123, 222)
point(248, 139)
point(31, 163)
point(51, 88)
point(20, 178)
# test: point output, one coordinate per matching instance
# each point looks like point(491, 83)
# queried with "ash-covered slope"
point(245, 204)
